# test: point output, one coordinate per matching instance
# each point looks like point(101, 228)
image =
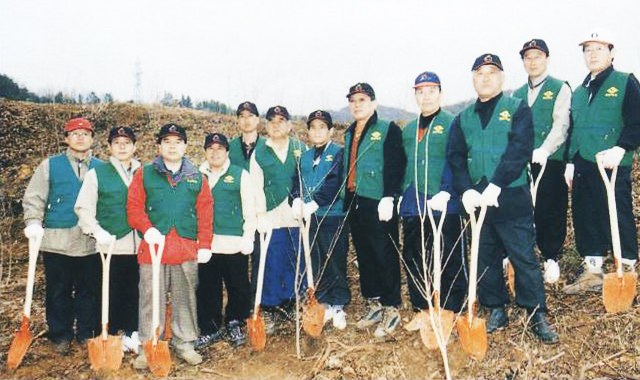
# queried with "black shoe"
point(541, 328)
point(208, 339)
point(235, 333)
point(62, 347)
point(497, 319)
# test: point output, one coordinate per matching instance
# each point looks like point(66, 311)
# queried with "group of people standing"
point(211, 219)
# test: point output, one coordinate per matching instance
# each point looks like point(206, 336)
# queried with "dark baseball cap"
point(216, 138)
point(121, 131)
point(247, 106)
point(487, 59)
point(362, 88)
point(320, 115)
point(534, 44)
point(278, 110)
point(171, 130)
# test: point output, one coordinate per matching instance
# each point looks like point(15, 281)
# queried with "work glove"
point(490, 195)
point(103, 240)
point(568, 175)
point(263, 224)
point(439, 201)
point(153, 236)
point(470, 200)
point(539, 156)
point(296, 208)
point(551, 271)
point(247, 245)
point(309, 209)
point(611, 158)
point(385, 209)
point(204, 255)
point(34, 231)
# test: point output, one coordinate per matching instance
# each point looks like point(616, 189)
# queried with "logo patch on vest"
point(438, 129)
point(611, 92)
point(548, 95)
point(297, 153)
point(505, 115)
point(376, 136)
point(191, 180)
point(228, 179)
point(329, 158)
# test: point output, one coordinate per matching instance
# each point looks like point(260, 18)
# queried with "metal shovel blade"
point(257, 334)
point(473, 337)
point(427, 334)
point(618, 292)
point(20, 344)
point(313, 317)
point(105, 353)
point(158, 357)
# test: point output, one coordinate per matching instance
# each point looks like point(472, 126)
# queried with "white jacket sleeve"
point(248, 206)
point(86, 204)
point(257, 183)
point(560, 127)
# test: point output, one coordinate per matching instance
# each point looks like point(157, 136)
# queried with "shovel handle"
point(535, 182)
point(305, 226)
point(609, 184)
point(476, 227)
point(106, 265)
point(265, 238)
point(156, 260)
point(437, 248)
point(34, 248)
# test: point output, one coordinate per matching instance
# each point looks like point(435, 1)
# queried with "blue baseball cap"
point(427, 78)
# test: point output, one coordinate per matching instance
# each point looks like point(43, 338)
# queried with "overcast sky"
point(302, 54)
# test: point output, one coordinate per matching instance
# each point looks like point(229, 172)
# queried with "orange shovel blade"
point(618, 292)
point(105, 353)
point(511, 279)
point(429, 336)
point(158, 357)
point(473, 338)
point(20, 344)
point(257, 334)
point(418, 322)
point(313, 318)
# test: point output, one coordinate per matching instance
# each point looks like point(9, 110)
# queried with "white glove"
point(204, 255)
point(490, 195)
point(539, 156)
point(385, 209)
point(103, 240)
point(439, 201)
point(247, 245)
point(296, 208)
point(611, 158)
point(470, 200)
point(308, 209)
point(263, 224)
point(568, 175)
point(551, 271)
point(34, 231)
point(153, 236)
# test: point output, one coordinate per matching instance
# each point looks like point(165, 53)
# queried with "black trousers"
point(513, 238)
point(377, 250)
point(124, 276)
point(591, 212)
point(73, 294)
point(551, 209)
point(233, 270)
point(329, 241)
point(454, 280)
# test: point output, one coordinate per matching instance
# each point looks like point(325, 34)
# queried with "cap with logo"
point(362, 88)
point(216, 138)
point(121, 131)
point(598, 35)
point(247, 106)
point(487, 59)
point(320, 115)
point(171, 130)
point(78, 123)
point(427, 78)
point(534, 44)
point(278, 110)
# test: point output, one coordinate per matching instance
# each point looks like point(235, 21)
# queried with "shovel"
point(472, 330)
point(255, 323)
point(157, 351)
point(105, 351)
point(313, 315)
point(618, 289)
point(23, 338)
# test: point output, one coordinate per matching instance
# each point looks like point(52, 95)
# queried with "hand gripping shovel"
point(105, 351)
point(157, 351)
point(313, 315)
point(618, 289)
point(472, 330)
point(23, 338)
point(255, 323)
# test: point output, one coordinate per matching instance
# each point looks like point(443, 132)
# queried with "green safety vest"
point(369, 179)
point(227, 203)
point(111, 209)
point(314, 178)
point(235, 152)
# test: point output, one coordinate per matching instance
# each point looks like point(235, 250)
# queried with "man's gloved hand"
point(103, 240)
point(296, 208)
point(153, 236)
point(439, 201)
point(490, 195)
point(611, 158)
point(568, 175)
point(470, 200)
point(551, 271)
point(539, 156)
point(308, 209)
point(204, 255)
point(247, 245)
point(385, 209)
point(263, 224)
point(34, 231)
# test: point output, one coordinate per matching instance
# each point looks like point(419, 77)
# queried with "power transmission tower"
point(138, 81)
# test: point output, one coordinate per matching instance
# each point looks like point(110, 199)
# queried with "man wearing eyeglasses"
point(71, 266)
point(605, 126)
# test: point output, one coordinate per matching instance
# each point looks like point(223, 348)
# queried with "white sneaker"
point(329, 312)
point(339, 318)
point(551, 271)
point(131, 343)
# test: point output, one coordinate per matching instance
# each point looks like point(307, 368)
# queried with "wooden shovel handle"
point(609, 184)
point(156, 260)
point(476, 227)
point(265, 238)
point(535, 182)
point(106, 265)
point(34, 248)
point(437, 248)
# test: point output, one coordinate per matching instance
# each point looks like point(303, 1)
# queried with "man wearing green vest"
point(605, 125)
point(374, 163)
point(170, 202)
point(102, 212)
point(234, 223)
point(550, 100)
point(425, 143)
point(489, 146)
point(272, 166)
point(71, 266)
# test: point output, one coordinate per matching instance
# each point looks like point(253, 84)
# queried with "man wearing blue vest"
point(272, 166)
point(489, 146)
point(605, 125)
point(425, 143)
point(374, 163)
point(234, 224)
point(71, 266)
point(550, 100)
point(102, 212)
point(320, 203)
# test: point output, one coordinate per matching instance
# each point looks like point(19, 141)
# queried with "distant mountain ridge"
point(384, 112)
